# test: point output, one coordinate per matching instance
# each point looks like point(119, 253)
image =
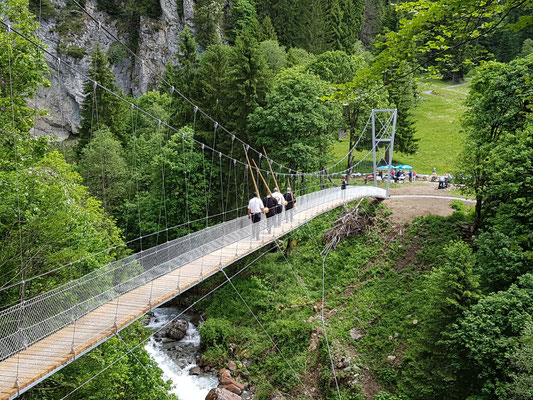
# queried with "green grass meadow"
point(437, 121)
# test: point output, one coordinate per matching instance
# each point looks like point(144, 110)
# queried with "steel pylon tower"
point(383, 132)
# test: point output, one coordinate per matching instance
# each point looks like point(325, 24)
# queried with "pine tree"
point(315, 38)
point(335, 25)
point(241, 16)
point(266, 30)
point(212, 83)
point(249, 80)
point(183, 78)
point(352, 20)
point(100, 108)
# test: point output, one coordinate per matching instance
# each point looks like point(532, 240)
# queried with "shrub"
point(116, 53)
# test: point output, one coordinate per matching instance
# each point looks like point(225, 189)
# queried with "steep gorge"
point(71, 34)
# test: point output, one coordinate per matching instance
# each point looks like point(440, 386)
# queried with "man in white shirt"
point(279, 208)
point(255, 208)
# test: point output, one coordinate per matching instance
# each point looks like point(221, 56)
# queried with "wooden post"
point(251, 172)
point(263, 179)
point(292, 195)
point(272, 172)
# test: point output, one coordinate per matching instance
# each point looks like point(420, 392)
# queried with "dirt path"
point(405, 209)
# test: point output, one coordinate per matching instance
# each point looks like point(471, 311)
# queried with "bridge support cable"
point(324, 257)
point(143, 341)
point(21, 315)
point(265, 331)
point(298, 278)
point(162, 389)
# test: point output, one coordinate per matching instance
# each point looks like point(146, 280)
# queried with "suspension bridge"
point(61, 325)
point(42, 334)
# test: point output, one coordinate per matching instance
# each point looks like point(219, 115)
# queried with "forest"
point(286, 76)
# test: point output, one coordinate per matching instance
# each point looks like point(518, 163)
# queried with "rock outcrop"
point(177, 329)
point(221, 394)
point(157, 44)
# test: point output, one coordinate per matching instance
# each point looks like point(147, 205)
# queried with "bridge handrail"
point(30, 321)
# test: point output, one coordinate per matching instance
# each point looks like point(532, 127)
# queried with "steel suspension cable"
point(142, 342)
point(324, 256)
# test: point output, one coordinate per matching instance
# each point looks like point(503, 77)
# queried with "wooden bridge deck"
point(52, 353)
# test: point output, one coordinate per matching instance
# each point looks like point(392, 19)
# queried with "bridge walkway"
point(39, 360)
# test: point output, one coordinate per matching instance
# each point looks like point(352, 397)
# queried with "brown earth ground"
point(404, 210)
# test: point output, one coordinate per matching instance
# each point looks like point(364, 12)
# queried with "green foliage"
point(45, 204)
point(522, 360)
point(42, 9)
point(75, 51)
point(136, 376)
point(212, 83)
point(116, 53)
point(527, 48)
point(266, 30)
point(336, 66)
point(497, 106)
point(103, 165)
point(275, 55)
point(182, 77)
point(241, 17)
point(296, 56)
point(440, 34)
point(249, 80)
point(208, 16)
point(489, 332)
point(295, 125)
point(22, 72)
point(100, 108)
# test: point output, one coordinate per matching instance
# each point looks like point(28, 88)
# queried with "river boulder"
point(177, 329)
point(221, 394)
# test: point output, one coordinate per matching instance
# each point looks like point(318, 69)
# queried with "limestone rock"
point(178, 329)
point(194, 371)
point(232, 366)
point(221, 394)
point(356, 334)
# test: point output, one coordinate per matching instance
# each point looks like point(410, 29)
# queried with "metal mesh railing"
point(35, 318)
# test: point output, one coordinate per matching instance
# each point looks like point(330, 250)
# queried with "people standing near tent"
point(410, 175)
point(279, 208)
point(290, 201)
point(255, 208)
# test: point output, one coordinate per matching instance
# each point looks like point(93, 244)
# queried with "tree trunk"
point(291, 244)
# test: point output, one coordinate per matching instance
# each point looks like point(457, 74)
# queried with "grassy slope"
point(437, 125)
point(372, 282)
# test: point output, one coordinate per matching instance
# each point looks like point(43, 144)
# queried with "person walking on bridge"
point(279, 208)
point(271, 204)
point(255, 208)
point(343, 187)
point(290, 201)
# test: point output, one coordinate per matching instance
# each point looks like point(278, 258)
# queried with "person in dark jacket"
point(343, 187)
point(290, 201)
point(270, 203)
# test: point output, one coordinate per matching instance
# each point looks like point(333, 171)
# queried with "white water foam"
point(185, 386)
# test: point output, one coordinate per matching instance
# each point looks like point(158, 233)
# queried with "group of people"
point(401, 175)
point(444, 181)
point(272, 206)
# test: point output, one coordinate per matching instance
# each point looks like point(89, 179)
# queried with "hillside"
point(437, 117)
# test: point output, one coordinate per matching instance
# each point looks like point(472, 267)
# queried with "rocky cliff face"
point(157, 45)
